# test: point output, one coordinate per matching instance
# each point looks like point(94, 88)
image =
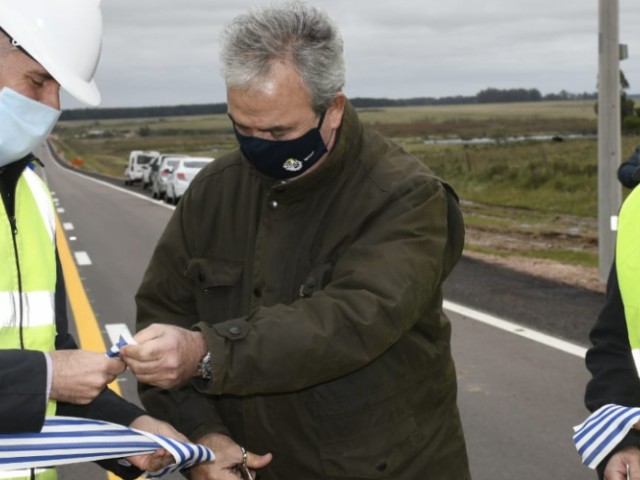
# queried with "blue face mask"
point(284, 159)
point(24, 124)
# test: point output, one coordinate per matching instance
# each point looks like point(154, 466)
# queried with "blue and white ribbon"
point(125, 339)
point(599, 434)
point(66, 440)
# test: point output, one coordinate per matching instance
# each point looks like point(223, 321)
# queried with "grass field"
point(530, 198)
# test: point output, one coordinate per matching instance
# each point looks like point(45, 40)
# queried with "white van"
point(138, 162)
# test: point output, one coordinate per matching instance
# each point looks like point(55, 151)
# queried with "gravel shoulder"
point(574, 275)
point(525, 238)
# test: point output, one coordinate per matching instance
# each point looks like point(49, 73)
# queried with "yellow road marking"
point(89, 334)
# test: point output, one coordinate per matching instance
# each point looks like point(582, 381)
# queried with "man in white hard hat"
point(46, 44)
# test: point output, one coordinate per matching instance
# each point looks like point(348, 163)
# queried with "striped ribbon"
point(125, 339)
point(66, 440)
point(599, 434)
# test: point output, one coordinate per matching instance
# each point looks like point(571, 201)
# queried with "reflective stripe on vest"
point(628, 268)
point(40, 474)
point(27, 283)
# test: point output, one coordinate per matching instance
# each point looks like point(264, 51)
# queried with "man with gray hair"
point(293, 305)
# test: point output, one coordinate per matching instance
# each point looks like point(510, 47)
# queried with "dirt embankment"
point(521, 237)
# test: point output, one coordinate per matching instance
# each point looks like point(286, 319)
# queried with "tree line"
point(489, 95)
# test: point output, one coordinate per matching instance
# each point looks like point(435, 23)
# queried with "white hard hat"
point(64, 36)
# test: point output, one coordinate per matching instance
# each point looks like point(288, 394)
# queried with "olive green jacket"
point(321, 303)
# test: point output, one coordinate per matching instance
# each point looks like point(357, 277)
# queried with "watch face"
point(205, 367)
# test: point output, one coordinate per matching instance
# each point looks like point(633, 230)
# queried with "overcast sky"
point(165, 52)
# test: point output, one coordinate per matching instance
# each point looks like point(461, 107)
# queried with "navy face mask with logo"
point(283, 159)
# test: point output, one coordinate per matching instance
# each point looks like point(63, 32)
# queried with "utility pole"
point(609, 190)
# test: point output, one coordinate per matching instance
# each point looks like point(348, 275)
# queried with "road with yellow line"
point(100, 293)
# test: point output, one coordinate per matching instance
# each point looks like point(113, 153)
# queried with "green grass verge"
point(526, 189)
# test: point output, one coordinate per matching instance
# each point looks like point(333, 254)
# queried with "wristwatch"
point(204, 367)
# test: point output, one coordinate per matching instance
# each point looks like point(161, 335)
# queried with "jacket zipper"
point(14, 234)
point(15, 171)
point(8, 202)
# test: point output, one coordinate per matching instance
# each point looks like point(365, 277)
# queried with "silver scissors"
point(242, 468)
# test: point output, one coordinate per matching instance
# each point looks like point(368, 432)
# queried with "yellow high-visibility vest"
point(628, 268)
point(28, 279)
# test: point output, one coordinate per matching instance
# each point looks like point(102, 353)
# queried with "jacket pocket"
point(217, 287)
point(367, 439)
point(208, 273)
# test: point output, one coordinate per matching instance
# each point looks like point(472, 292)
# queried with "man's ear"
point(336, 110)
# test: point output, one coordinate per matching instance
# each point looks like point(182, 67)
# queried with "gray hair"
point(295, 33)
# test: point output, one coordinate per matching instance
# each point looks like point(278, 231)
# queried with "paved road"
point(518, 398)
point(552, 307)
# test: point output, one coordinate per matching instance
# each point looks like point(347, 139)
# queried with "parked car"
point(138, 162)
point(159, 178)
point(146, 172)
point(154, 167)
point(181, 176)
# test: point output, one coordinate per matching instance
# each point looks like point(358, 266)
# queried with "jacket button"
point(235, 330)
point(382, 465)
point(257, 292)
point(273, 204)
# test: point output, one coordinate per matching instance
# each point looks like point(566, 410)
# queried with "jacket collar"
point(9, 176)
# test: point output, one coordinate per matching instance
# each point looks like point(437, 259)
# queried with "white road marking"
point(73, 239)
point(516, 329)
point(67, 226)
point(82, 258)
point(60, 210)
point(114, 330)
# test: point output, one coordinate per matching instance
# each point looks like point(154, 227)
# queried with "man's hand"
point(228, 459)
point(165, 356)
point(160, 458)
point(616, 468)
point(78, 376)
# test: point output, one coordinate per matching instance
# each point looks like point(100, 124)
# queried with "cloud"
point(164, 52)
